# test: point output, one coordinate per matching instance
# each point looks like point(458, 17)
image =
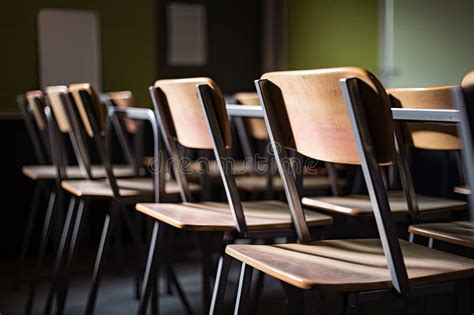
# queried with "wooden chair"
point(254, 128)
point(89, 116)
point(347, 113)
point(421, 135)
point(124, 99)
point(62, 127)
point(196, 168)
point(46, 116)
point(468, 87)
point(249, 176)
point(31, 107)
point(130, 132)
point(199, 120)
point(457, 232)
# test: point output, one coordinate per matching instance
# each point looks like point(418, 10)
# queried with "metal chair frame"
point(75, 218)
point(214, 305)
point(378, 196)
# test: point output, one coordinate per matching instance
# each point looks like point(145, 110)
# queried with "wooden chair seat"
point(459, 232)
point(216, 216)
point(349, 265)
point(259, 182)
point(49, 172)
point(463, 190)
point(129, 188)
point(357, 205)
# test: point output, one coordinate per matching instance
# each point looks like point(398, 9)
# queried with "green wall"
point(128, 45)
point(331, 33)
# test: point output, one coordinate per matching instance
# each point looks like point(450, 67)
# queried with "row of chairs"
point(338, 116)
point(57, 117)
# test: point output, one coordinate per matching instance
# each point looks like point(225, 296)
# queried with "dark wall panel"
point(233, 44)
point(16, 189)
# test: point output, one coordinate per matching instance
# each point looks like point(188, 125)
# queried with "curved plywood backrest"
point(184, 107)
point(468, 88)
point(314, 119)
point(468, 80)
point(425, 135)
point(53, 93)
point(124, 99)
point(246, 98)
point(36, 104)
point(97, 110)
point(256, 126)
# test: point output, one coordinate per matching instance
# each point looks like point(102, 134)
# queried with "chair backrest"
point(93, 115)
point(124, 99)
point(313, 117)
point(193, 112)
point(96, 112)
point(36, 104)
point(468, 89)
point(468, 80)
point(54, 95)
point(255, 126)
point(428, 135)
point(335, 115)
point(188, 120)
point(32, 107)
point(58, 98)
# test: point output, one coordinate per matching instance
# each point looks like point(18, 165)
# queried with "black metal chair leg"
point(463, 298)
point(64, 285)
point(134, 231)
point(136, 286)
point(243, 290)
point(258, 292)
point(206, 273)
point(295, 299)
point(169, 288)
point(430, 242)
point(151, 270)
point(353, 307)
point(42, 250)
point(60, 255)
point(28, 231)
point(117, 243)
point(174, 282)
point(220, 285)
point(155, 301)
point(402, 305)
point(104, 245)
point(316, 302)
point(58, 223)
point(358, 182)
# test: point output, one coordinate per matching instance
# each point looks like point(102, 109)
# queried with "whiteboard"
point(68, 47)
